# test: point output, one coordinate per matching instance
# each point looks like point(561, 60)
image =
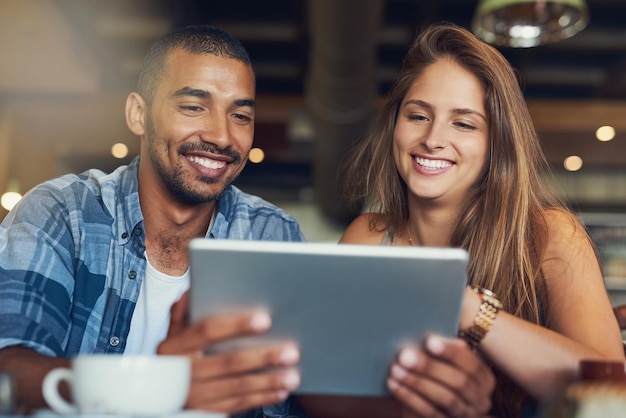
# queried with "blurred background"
point(322, 66)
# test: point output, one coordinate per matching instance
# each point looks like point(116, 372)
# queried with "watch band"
point(485, 317)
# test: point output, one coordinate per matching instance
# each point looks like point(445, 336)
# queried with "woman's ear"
point(136, 114)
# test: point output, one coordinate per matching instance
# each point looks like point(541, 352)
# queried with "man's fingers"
point(251, 359)
point(235, 404)
point(231, 381)
point(245, 379)
point(212, 330)
point(280, 383)
point(179, 315)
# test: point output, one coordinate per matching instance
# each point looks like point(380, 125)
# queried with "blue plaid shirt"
point(72, 259)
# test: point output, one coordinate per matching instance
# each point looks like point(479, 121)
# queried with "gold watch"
point(485, 317)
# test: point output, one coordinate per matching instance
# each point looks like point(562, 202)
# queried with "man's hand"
point(444, 380)
point(234, 381)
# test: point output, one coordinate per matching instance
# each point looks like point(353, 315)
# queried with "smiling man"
point(97, 263)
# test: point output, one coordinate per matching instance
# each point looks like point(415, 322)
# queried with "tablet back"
point(348, 307)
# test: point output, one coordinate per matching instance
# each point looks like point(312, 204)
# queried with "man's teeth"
point(432, 163)
point(207, 163)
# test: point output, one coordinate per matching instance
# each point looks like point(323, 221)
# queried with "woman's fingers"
point(446, 379)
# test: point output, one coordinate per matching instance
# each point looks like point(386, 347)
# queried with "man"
point(97, 263)
point(93, 263)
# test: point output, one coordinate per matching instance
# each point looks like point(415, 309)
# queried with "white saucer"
point(48, 413)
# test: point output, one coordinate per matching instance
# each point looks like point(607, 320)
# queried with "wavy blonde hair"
point(502, 225)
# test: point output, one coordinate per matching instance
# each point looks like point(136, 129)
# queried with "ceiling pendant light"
point(528, 23)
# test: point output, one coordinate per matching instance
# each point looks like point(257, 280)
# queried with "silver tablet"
point(348, 307)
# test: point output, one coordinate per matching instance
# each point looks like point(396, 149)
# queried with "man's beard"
point(175, 181)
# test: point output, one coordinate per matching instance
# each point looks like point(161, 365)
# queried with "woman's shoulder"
point(561, 224)
point(368, 228)
point(567, 237)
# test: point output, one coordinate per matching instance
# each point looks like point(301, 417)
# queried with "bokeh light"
point(605, 133)
point(256, 155)
point(573, 163)
point(119, 150)
point(10, 199)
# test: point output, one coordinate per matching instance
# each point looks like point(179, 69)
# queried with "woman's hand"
point(445, 379)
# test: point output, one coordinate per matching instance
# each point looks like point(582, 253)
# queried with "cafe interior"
point(322, 67)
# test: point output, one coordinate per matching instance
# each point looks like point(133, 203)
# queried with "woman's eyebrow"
point(468, 111)
point(419, 103)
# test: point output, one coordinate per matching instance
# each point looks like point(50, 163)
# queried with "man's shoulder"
point(92, 179)
point(90, 191)
point(245, 216)
point(63, 190)
point(241, 202)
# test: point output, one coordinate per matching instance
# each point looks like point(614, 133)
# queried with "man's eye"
point(192, 108)
point(243, 118)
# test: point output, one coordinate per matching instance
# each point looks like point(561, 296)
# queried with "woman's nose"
point(435, 137)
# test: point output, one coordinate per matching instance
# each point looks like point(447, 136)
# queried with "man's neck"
point(169, 226)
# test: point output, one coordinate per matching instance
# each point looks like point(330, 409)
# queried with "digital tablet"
point(349, 308)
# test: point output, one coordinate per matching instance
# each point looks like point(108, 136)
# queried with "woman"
point(454, 161)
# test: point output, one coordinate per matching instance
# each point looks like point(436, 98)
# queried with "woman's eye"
point(417, 117)
point(465, 126)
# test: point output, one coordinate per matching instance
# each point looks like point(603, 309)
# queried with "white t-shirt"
point(151, 318)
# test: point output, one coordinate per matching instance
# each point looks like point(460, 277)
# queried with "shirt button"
point(124, 235)
point(137, 232)
point(114, 341)
point(132, 274)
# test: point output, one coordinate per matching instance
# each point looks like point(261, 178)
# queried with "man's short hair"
point(196, 39)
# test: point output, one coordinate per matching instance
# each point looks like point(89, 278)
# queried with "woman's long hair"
point(502, 225)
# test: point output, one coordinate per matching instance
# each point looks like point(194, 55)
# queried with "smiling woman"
point(454, 161)
point(440, 137)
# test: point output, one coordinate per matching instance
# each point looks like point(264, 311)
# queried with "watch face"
point(489, 297)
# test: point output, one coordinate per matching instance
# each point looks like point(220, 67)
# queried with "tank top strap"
point(389, 238)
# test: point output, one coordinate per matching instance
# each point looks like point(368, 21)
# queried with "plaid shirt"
point(72, 261)
point(72, 258)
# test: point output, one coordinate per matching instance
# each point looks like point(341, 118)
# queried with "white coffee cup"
point(116, 384)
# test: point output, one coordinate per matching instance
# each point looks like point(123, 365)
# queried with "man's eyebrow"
point(204, 94)
point(246, 102)
point(188, 91)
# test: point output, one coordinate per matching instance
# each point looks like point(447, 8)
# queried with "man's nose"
point(215, 129)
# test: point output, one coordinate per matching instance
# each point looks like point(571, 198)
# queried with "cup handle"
point(51, 391)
